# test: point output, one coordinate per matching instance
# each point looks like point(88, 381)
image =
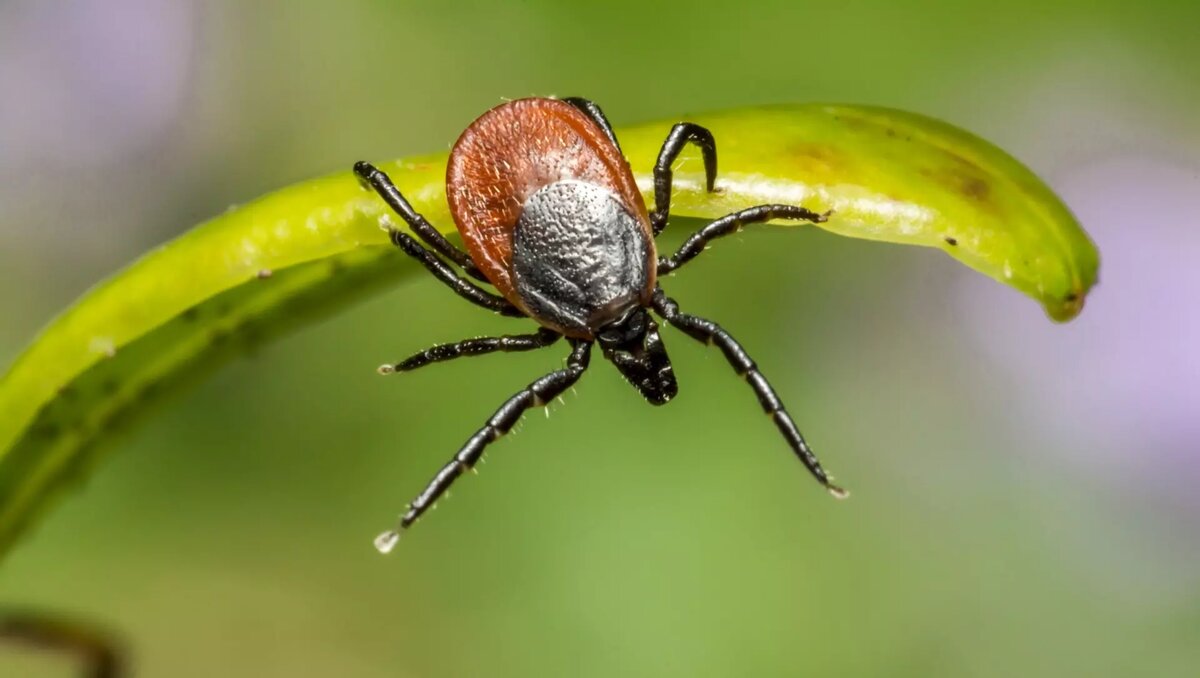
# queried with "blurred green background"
point(1024, 498)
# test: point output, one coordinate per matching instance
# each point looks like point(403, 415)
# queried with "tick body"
point(552, 219)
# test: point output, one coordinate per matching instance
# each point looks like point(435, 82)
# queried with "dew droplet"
point(105, 346)
point(385, 542)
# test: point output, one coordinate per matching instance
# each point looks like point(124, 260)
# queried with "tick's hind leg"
point(681, 135)
point(382, 183)
point(732, 223)
point(537, 394)
point(711, 333)
point(478, 346)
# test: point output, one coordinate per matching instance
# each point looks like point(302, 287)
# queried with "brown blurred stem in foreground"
point(97, 648)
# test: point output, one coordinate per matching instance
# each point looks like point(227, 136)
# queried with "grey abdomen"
point(579, 257)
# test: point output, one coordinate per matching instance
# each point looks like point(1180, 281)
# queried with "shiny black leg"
point(537, 394)
point(478, 346)
point(593, 111)
point(442, 271)
point(711, 333)
point(378, 180)
point(681, 135)
point(733, 223)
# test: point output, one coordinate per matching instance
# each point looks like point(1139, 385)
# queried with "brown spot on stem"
point(966, 180)
point(815, 160)
point(974, 187)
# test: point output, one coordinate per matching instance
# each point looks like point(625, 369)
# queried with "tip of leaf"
point(1065, 309)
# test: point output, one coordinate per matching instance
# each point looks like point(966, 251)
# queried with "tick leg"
point(479, 346)
point(378, 180)
point(442, 271)
point(681, 134)
point(711, 333)
point(593, 111)
point(732, 223)
point(537, 394)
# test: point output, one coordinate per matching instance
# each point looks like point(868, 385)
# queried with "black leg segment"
point(442, 271)
point(593, 111)
point(681, 135)
point(732, 223)
point(508, 343)
point(378, 180)
point(711, 333)
point(537, 394)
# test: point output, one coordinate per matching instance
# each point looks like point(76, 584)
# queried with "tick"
point(552, 219)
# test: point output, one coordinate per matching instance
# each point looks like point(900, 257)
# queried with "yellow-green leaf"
point(313, 248)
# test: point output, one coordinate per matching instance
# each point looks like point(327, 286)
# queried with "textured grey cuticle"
point(580, 258)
